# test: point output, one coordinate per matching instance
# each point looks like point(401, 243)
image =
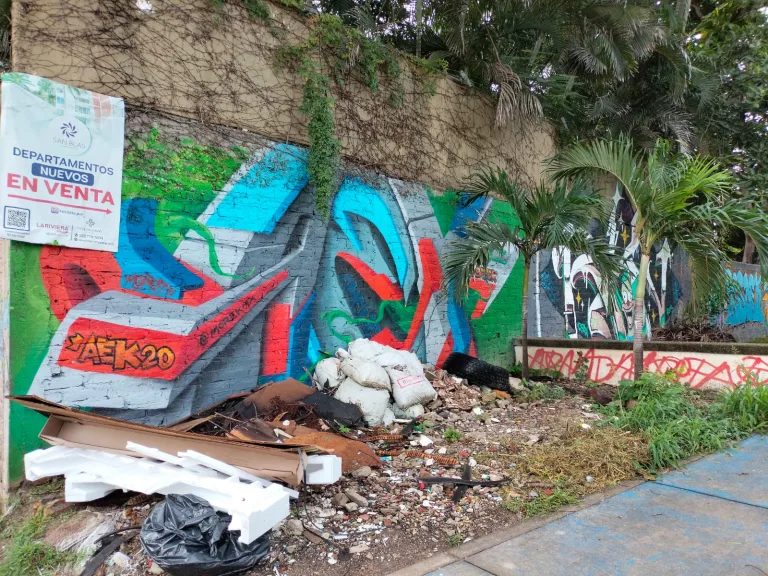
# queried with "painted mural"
point(573, 286)
point(749, 301)
point(226, 278)
point(610, 366)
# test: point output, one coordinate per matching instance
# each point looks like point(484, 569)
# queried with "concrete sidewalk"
point(710, 518)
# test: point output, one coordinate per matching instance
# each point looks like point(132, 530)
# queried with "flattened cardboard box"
point(71, 427)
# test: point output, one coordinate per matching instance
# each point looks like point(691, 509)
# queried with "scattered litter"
point(532, 439)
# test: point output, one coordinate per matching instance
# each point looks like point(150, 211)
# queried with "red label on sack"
point(409, 380)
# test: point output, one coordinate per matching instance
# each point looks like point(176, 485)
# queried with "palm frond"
point(492, 181)
point(568, 212)
point(597, 158)
point(514, 97)
point(469, 255)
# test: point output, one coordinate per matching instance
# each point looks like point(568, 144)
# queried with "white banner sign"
point(61, 164)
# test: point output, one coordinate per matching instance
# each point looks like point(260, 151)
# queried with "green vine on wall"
point(342, 51)
point(324, 148)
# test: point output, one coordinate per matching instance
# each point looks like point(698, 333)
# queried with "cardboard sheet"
point(71, 427)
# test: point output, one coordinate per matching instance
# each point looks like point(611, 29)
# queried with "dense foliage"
point(690, 71)
point(679, 422)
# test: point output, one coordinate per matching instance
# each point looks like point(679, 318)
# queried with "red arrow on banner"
point(106, 211)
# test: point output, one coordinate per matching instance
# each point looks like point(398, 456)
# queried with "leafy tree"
point(548, 218)
point(536, 57)
point(683, 199)
point(731, 38)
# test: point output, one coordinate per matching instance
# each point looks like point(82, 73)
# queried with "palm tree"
point(682, 199)
point(548, 218)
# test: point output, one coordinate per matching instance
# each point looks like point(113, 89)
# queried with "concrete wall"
point(225, 276)
point(711, 365)
point(217, 65)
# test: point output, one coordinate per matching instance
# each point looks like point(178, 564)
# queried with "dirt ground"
point(392, 519)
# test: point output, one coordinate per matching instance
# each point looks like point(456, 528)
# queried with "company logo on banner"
point(61, 164)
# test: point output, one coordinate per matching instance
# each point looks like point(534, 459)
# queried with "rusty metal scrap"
point(384, 437)
point(442, 460)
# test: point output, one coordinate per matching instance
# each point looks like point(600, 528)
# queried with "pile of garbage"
point(236, 465)
point(385, 383)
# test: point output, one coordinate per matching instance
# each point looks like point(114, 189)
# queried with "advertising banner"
point(61, 164)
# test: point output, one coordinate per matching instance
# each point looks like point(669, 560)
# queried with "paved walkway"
point(708, 519)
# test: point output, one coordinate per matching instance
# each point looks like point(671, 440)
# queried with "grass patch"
point(544, 392)
point(542, 504)
point(25, 554)
point(455, 540)
point(50, 487)
point(747, 405)
point(452, 435)
point(680, 423)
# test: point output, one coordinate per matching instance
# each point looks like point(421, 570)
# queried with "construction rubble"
point(373, 440)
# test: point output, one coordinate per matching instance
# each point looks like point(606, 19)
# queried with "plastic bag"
point(185, 536)
point(327, 373)
point(372, 403)
point(366, 373)
point(333, 409)
point(410, 389)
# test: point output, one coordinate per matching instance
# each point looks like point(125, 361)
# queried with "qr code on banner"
point(16, 218)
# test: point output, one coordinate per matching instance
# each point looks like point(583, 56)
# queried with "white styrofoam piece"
point(220, 466)
point(85, 487)
point(230, 470)
point(171, 459)
point(254, 509)
point(322, 469)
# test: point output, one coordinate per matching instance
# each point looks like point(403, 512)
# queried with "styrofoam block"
point(322, 469)
point(230, 470)
point(254, 509)
point(171, 459)
point(220, 466)
point(85, 487)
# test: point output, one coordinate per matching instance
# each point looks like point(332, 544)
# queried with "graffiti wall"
point(226, 278)
point(747, 311)
point(568, 300)
point(700, 368)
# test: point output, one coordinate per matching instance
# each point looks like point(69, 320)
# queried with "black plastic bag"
point(185, 536)
point(329, 408)
point(476, 371)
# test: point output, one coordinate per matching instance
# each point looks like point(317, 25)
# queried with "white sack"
point(327, 373)
point(366, 373)
point(389, 415)
point(409, 413)
point(366, 349)
point(401, 359)
point(410, 389)
point(372, 403)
